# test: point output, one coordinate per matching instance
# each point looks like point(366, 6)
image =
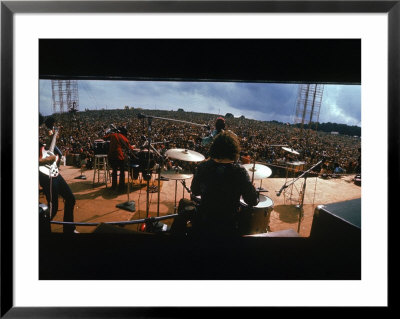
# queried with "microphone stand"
point(147, 173)
point(300, 206)
point(159, 177)
point(292, 182)
point(128, 205)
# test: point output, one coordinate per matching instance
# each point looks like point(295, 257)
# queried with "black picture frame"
point(9, 8)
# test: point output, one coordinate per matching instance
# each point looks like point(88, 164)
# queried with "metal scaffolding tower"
point(65, 95)
point(308, 104)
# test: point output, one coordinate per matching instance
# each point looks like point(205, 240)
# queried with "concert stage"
point(331, 251)
point(98, 204)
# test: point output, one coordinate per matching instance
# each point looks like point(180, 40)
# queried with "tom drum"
point(255, 220)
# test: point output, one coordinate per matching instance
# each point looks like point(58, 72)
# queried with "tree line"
point(328, 127)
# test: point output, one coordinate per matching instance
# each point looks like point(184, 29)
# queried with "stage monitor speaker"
point(338, 220)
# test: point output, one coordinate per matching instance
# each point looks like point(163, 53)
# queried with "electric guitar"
point(50, 170)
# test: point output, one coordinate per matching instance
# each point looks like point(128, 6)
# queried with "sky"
point(260, 101)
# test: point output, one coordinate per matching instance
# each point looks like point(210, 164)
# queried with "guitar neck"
point(53, 141)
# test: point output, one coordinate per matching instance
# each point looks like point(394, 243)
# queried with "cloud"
point(261, 101)
point(341, 104)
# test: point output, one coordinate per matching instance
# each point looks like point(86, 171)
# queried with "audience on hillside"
point(263, 140)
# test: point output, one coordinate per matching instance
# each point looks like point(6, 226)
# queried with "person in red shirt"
point(119, 144)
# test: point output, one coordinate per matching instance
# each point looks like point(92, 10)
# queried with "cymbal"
point(176, 174)
point(298, 163)
point(290, 150)
point(184, 155)
point(260, 171)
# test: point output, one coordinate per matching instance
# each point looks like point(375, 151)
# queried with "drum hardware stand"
point(149, 121)
point(183, 182)
point(261, 189)
point(253, 169)
point(177, 169)
point(158, 187)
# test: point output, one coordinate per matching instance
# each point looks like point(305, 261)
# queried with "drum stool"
point(101, 166)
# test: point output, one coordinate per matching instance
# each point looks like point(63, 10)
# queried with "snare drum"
point(255, 220)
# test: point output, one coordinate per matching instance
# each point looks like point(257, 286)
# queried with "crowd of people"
point(259, 140)
point(224, 142)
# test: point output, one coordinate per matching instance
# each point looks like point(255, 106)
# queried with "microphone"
point(278, 193)
point(141, 116)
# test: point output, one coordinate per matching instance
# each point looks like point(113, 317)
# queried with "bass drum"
point(255, 220)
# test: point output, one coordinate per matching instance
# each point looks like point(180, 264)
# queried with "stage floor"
point(96, 203)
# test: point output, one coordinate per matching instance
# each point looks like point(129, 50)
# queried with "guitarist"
point(49, 123)
point(53, 186)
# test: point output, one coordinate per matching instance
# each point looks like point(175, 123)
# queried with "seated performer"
point(221, 181)
point(116, 157)
point(54, 186)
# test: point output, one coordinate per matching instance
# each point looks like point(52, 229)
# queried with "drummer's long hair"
point(225, 145)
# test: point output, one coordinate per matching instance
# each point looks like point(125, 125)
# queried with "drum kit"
point(255, 220)
point(149, 160)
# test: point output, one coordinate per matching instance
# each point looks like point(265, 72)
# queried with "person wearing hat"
point(53, 186)
point(221, 182)
point(119, 144)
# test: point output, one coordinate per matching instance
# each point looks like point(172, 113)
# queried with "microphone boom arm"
point(292, 182)
point(141, 116)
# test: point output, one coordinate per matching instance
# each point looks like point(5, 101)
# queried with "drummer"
point(119, 144)
point(221, 181)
